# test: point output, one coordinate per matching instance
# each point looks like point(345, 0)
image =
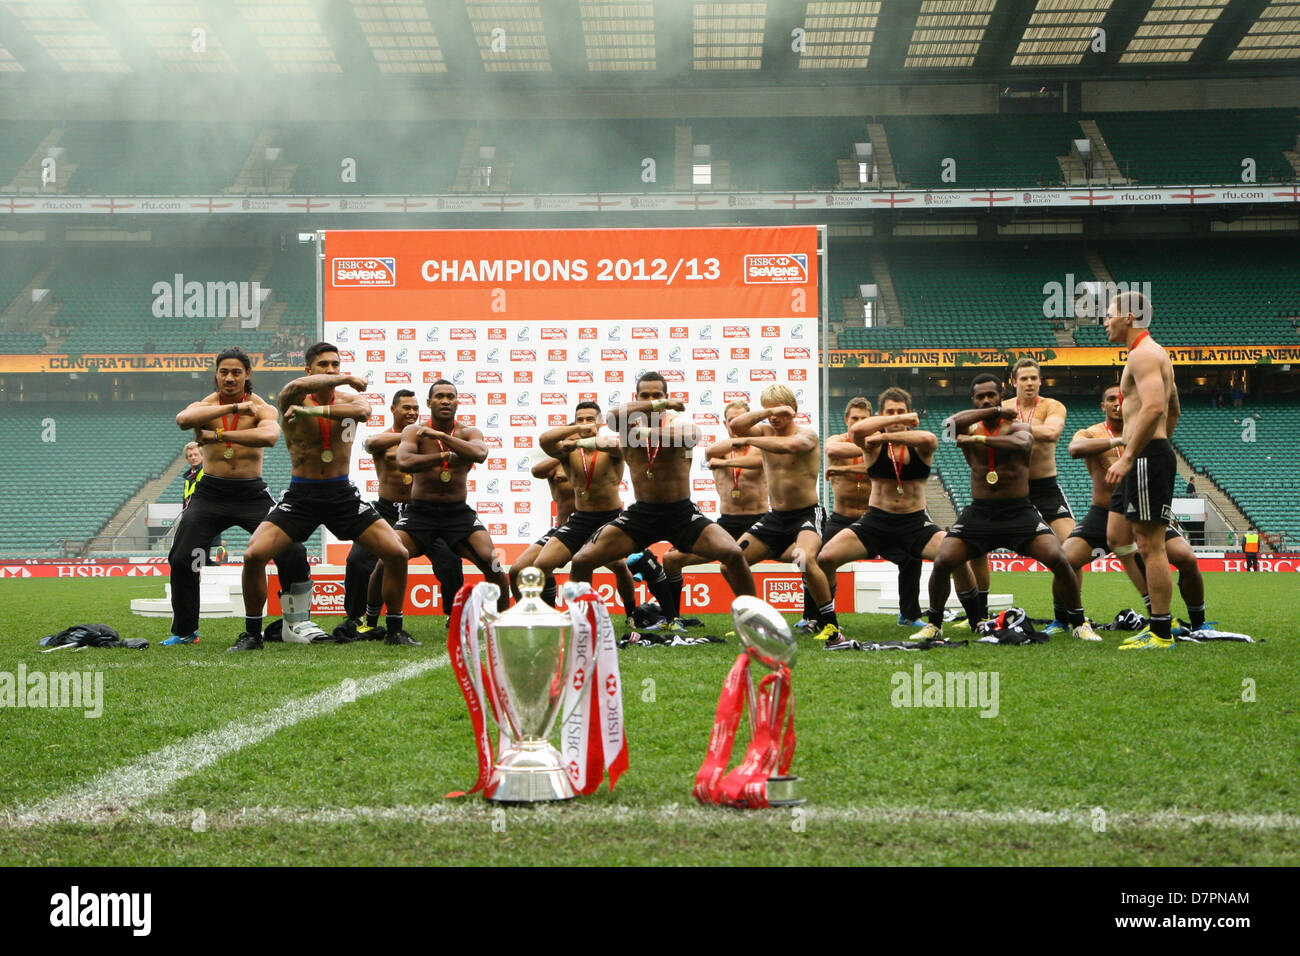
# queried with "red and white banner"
point(592, 734)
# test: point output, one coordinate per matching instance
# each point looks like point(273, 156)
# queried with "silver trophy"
point(528, 650)
point(768, 641)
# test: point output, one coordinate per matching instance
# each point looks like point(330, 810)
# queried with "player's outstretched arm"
point(875, 423)
point(1083, 445)
point(198, 414)
point(472, 446)
point(803, 440)
point(545, 468)
point(378, 444)
point(1018, 437)
point(917, 438)
point(550, 440)
point(843, 451)
point(1050, 428)
point(300, 388)
point(408, 452)
point(748, 462)
point(617, 418)
point(264, 433)
point(965, 419)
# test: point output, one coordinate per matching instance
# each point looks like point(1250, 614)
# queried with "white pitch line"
point(685, 815)
point(109, 795)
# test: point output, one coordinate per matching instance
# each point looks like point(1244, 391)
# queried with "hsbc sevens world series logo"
point(366, 271)
point(774, 269)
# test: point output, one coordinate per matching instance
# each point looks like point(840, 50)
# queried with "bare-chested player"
point(792, 530)
point(1106, 529)
point(851, 485)
point(998, 450)
point(742, 499)
point(439, 457)
point(233, 427)
point(319, 427)
point(596, 464)
point(658, 456)
point(557, 479)
point(363, 579)
point(1146, 470)
point(895, 525)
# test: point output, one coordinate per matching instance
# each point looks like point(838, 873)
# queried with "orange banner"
point(123, 362)
point(958, 358)
point(567, 274)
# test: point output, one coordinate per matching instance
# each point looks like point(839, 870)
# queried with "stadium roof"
point(468, 44)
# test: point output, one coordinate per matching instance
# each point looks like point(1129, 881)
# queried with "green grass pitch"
point(1183, 765)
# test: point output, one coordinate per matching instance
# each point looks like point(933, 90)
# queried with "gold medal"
point(649, 474)
point(735, 493)
point(228, 453)
point(991, 477)
point(899, 491)
point(582, 494)
point(327, 456)
point(407, 479)
point(444, 476)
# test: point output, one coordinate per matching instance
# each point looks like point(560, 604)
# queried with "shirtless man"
point(439, 458)
point(742, 499)
point(895, 525)
point(1146, 470)
point(596, 462)
point(998, 450)
point(233, 426)
point(363, 580)
point(657, 451)
point(847, 473)
point(792, 530)
point(1106, 529)
point(557, 479)
point(319, 427)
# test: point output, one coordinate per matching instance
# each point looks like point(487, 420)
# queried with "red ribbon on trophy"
point(592, 733)
point(771, 748)
point(473, 676)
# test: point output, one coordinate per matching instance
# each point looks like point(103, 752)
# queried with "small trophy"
point(762, 778)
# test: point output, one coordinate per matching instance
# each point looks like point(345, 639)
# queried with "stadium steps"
point(883, 157)
point(17, 309)
point(502, 167)
point(1109, 168)
point(21, 314)
point(253, 176)
point(102, 540)
point(28, 178)
point(1208, 488)
point(884, 280)
point(938, 503)
point(1293, 157)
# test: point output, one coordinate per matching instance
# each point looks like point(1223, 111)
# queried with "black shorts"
point(894, 537)
point(1117, 500)
point(835, 523)
point(736, 525)
point(332, 502)
point(1000, 523)
point(428, 522)
point(390, 511)
point(678, 522)
point(1046, 495)
point(1092, 529)
point(577, 531)
point(779, 529)
point(541, 542)
point(1149, 487)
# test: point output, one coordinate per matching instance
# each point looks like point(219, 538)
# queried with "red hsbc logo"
point(496, 334)
point(613, 355)
point(466, 355)
point(787, 593)
point(740, 354)
point(467, 398)
point(523, 355)
point(680, 396)
point(555, 421)
point(777, 268)
point(579, 376)
point(397, 378)
point(470, 483)
point(496, 398)
point(702, 484)
point(644, 332)
point(704, 355)
point(708, 506)
point(613, 375)
point(467, 419)
point(523, 441)
point(327, 598)
point(553, 398)
point(433, 355)
point(461, 335)
point(551, 334)
point(347, 356)
point(490, 378)
point(523, 507)
point(797, 374)
point(372, 335)
point(704, 418)
point(406, 335)
point(674, 375)
point(365, 464)
point(523, 421)
point(498, 529)
point(648, 355)
point(496, 464)
point(801, 418)
point(431, 377)
point(586, 332)
point(796, 353)
point(735, 331)
point(520, 484)
point(557, 355)
point(586, 396)
point(771, 331)
point(488, 507)
point(374, 355)
point(523, 378)
point(762, 375)
point(372, 485)
point(679, 332)
point(374, 398)
point(732, 396)
point(376, 420)
point(706, 375)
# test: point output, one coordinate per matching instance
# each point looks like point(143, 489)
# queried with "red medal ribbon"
point(1030, 419)
point(896, 462)
point(462, 641)
point(993, 467)
point(322, 422)
point(651, 453)
point(589, 472)
point(735, 473)
point(234, 424)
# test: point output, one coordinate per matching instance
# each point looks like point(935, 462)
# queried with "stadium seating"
point(784, 152)
point(1205, 147)
point(997, 151)
point(392, 158)
point(583, 156)
point(18, 265)
point(18, 140)
point(155, 158)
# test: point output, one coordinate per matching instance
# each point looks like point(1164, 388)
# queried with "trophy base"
point(785, 792)
point(531, 775)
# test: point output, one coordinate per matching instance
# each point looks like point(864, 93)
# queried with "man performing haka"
point(1145, 472)
point(742, 495)
point(851, 485)
point(597, 463)
point(440, 458)
point(792, 530)
point(998, 449)
point(557, 479)
point(363, 580)
point(657, 453)
point(234, 426)
point(319, 433)
point(895, 524)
